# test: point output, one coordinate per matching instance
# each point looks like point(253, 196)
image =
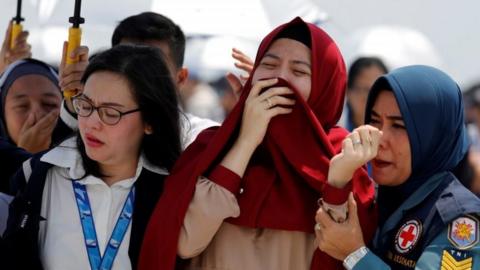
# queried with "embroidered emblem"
point(450, 262)
point(463, 232)
point(408, 235)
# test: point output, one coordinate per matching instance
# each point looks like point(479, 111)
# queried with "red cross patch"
point(408, 235)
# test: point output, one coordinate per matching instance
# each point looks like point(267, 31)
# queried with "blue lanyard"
point(90, 234)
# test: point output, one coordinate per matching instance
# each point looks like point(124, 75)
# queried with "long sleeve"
point(335, 201)
point(211, 204)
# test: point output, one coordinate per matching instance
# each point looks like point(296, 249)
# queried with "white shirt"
point(61, 242)
point(192, 126)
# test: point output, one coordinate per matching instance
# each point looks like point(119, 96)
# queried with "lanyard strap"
point(97, 262)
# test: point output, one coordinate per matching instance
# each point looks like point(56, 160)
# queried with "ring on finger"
point(356, 141)
point(317, 227)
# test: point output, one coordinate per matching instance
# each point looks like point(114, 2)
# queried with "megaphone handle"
point(74, 39)
point(17, 28)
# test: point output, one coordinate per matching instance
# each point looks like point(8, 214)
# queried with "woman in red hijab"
point(244, 195)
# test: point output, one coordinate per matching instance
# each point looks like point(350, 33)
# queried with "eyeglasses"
point(108, 115)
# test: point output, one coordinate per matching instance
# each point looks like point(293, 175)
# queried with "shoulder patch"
point(456, 260)
point(408, 235)
point(463, 232)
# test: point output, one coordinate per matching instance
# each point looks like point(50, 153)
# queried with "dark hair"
point(298, 32)
point(363, 63)
point(152, 26)
point(154, 91)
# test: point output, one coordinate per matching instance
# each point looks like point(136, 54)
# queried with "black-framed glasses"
point(107, 114)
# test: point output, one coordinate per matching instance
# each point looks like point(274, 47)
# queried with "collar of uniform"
point(67, 156)
point(413, 200)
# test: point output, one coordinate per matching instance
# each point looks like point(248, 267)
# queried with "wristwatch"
point(354, 257)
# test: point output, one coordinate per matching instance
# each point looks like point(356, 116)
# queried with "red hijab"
point(287, 173)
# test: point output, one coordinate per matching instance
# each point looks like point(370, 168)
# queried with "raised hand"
point(20, 50)
point(261, 108)
point(258, 111)
point(358, 148)
point(70, 75)
point(36, 134)
point(243, 63)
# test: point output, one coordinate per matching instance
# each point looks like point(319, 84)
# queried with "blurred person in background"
point(201, 99)
point(228, 97)
point(472, 113)
point(30, 104)
point(362, 74)
point(30, 101)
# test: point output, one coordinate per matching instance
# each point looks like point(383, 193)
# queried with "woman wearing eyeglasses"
point(87, 201)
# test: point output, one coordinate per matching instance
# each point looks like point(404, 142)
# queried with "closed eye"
point(21, 107)
point(300, 72)
point(398, 125)
point(50, 105)
point(374, 121)
point(268, 65)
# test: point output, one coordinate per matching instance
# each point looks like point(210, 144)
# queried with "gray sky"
point(452, 26)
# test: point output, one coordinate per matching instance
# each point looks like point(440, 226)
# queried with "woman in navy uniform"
point(415, 139)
